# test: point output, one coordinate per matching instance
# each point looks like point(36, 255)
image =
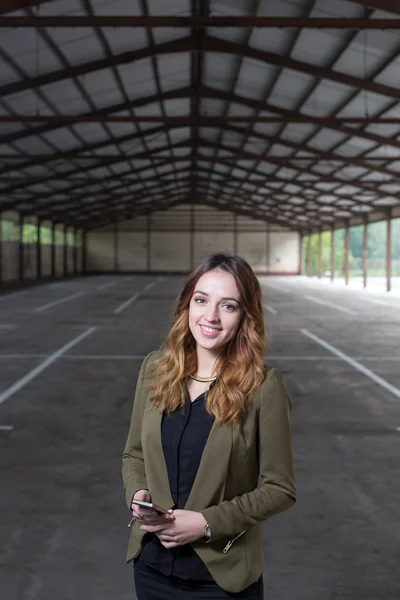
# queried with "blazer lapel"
point(209, 483)
point(156, 471)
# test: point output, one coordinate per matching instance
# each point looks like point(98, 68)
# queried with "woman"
point(208, 419)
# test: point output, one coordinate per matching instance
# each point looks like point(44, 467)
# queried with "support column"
point(319, 254)
point(1, 251)
point(301, 241)
point(235, 235)
point(84, 250)
point(268, 240)
point(389, 251)
point(65, 252)
point(116, 267)
point(192, 228)
point(346, 253)
point(75, 252)
point(365, 251)
point(21, 249)
point(148, 243)
point(333, 253)
point(53, 250)
point(309, 263)
point(38, 252)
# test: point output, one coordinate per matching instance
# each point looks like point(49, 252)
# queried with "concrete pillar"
point(38, 252)
point(1, 251)
point(53, 250)
point(365, 251)
point(319, 254)
point(346, 253)
point(301, 253)
point(192, 229)
point(116, 265)
point(268, 249)
point(389, 251)
point(21, 274)
point(75, 252)
point(148, 243)
point(235, 235)
point(65, 252)
point(309, 262)
point(84, 252)
point(333, 253)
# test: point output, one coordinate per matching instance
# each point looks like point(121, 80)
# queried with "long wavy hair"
point(240, 367)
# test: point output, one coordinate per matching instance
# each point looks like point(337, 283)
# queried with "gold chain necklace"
point(203, 379)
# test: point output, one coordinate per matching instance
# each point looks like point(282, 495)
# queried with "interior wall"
point(155, 243)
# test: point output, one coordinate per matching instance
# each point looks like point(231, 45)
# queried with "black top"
point(184, 434)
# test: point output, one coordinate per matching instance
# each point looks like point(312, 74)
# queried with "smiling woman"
point(208, 420)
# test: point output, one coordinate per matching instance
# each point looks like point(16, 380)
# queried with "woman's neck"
point(205, 362)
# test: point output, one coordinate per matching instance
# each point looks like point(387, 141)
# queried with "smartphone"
point(150, 505)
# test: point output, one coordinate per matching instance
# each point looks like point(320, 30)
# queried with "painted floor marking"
point(7, 326)
point(126, 304)
point(6, 427)
point(330, 304)
point(354, 363)
point(270, 309)
point(61, 301)
point(103, 286)
point(12, 295)
point(18, 385)
point(150, 285)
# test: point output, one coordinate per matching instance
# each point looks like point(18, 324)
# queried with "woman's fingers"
point(155, 528)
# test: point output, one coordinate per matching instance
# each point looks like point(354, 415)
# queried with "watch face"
point(208, 531)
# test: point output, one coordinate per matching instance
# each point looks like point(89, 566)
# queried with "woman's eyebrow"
point(205, 294)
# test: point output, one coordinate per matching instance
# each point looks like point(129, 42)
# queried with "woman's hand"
point(146, 515)
point(187, 527)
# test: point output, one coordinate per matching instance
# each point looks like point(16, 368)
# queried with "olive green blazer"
point(225, 488)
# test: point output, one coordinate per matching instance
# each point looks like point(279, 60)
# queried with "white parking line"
point(331, 305)
point(66, 299)
point(150, 285)
point(6, 296)
point(103, 286)
point(126, 304)
point(18, 385)
point(355, 364)
point(270, 309)
point(6, 427)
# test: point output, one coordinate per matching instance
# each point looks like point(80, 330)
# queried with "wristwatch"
point(207, 532)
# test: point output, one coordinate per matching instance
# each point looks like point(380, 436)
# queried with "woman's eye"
point(199, 300)
point(230, 306)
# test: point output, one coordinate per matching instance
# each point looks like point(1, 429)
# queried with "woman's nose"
point(212, 313)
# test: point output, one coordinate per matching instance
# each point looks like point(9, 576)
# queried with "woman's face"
point(215, 310)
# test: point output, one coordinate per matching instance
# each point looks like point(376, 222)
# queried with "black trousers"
point(153, 585)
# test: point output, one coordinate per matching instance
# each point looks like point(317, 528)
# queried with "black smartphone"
point(150, 505)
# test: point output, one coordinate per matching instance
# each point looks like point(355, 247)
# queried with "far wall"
point(140, 245)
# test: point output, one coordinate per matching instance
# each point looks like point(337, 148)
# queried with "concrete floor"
point(68, 371)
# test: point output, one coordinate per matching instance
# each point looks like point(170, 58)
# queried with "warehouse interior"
point(137, 138)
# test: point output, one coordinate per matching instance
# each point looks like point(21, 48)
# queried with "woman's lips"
point(209, 332)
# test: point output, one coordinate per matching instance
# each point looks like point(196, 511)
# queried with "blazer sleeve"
point(277, 491)
point(133, 469)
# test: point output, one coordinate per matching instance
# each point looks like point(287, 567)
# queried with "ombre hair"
point(240, 367)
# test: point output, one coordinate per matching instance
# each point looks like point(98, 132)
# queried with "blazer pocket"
point(232, 541)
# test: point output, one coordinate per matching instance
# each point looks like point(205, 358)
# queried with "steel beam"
point(197, 22)
point(198, 120)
